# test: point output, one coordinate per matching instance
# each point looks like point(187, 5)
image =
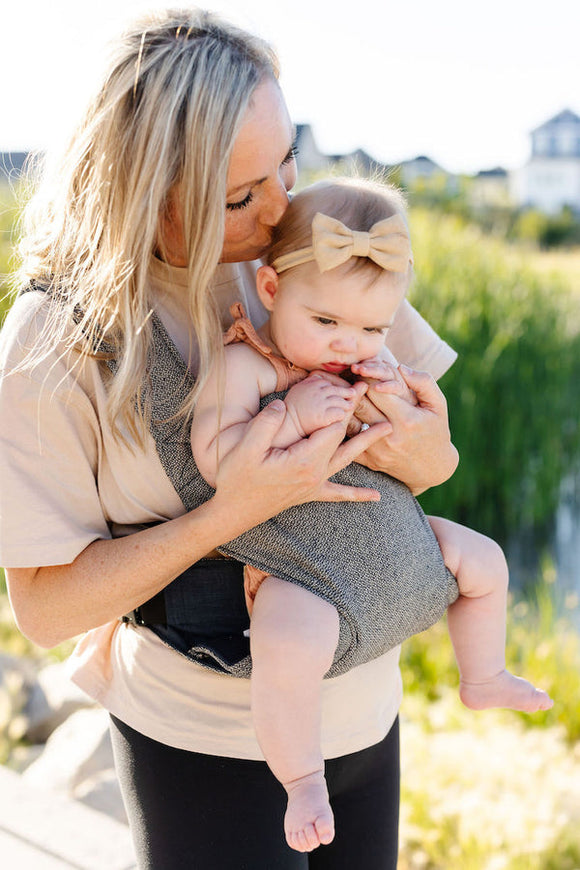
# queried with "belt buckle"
point(133, 618)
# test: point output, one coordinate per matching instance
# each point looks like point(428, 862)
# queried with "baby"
point(339, 267)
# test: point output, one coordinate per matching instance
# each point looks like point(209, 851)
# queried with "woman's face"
point(261, 172)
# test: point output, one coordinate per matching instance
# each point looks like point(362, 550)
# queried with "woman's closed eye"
point(242, 203)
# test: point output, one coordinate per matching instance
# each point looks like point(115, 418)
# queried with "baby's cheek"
point(374, 348)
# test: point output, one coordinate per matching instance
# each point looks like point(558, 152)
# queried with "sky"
point(460, 81)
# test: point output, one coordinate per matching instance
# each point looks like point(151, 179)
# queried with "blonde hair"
point(357, 202)
point(167, 114)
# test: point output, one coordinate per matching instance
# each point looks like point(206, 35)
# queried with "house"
point(420, 168)
point(490, 188)
point(11, 165)
point(309, 158)
point(550, 179)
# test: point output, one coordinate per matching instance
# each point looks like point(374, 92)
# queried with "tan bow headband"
point(387, 243)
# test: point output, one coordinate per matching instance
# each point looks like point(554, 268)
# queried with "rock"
point(22, 756)
point(44, 830)
point(80, 748)
point(102, 793)
point(20, 665)
point(52, 699)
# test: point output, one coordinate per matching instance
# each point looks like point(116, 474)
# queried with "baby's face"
point(330, 321)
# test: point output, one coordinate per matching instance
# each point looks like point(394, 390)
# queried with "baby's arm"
point(221, 417)
point(229, 400)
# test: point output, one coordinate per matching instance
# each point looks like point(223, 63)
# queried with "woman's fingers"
point(350, 450)
point(426, 389)
point(330, 491)
point(343, 455)
point(263, 429)
point(367, 412)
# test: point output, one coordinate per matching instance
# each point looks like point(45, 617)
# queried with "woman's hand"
point(258, 481)
point(418, 450)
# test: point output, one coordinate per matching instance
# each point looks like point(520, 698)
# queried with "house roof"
point(566, 116)
point(421, 161)
point(496, 172)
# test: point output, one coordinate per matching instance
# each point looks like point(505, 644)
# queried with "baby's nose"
point(344, 344)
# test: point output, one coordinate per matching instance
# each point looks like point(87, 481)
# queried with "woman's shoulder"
point(35, 347)
point(23, 326)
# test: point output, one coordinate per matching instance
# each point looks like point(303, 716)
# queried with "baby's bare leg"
point(293, 637)
point(477, 622)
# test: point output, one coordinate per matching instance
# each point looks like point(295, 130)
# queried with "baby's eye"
point(376, 329)
point(326, 321)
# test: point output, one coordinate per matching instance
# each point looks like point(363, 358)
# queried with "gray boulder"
point(52, 699)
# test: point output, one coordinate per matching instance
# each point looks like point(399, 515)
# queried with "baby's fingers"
point(375, 369)
point(335, 413)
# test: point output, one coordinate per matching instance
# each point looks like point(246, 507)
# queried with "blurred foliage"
point(513, 391)
point(543, 645)
point(458, 196)
point(9, 213)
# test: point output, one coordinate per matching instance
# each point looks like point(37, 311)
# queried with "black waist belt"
point(152, 612)
point(206, 599)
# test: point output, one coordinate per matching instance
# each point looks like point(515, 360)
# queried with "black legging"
point(190, 811)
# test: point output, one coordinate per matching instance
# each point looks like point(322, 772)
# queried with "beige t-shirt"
point(65, 482)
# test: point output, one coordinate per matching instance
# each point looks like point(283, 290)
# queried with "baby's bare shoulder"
point(244, 362)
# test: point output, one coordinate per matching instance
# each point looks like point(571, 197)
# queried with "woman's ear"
point(267, 286)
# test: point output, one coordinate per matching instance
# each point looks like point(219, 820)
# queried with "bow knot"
point(386, 243)
point(361, 244)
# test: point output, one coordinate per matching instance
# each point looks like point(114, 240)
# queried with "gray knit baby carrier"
point(378, 563)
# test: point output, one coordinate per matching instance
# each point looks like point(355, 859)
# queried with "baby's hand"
point(318, 401)
point(382, 378)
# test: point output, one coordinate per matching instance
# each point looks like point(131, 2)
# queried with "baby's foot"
point(504, 690)
point(309, 821)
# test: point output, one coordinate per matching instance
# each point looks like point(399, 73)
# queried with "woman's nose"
point(277, 203)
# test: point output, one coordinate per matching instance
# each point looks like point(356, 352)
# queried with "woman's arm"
point(112, 577)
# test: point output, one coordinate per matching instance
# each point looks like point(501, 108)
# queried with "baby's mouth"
point(334, 367)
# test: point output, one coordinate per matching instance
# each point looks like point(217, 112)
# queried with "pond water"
point(555, 554)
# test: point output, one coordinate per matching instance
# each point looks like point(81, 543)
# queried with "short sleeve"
point(415, 343)
point(49, 445)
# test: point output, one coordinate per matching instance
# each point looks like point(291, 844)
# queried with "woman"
point(182, 162)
